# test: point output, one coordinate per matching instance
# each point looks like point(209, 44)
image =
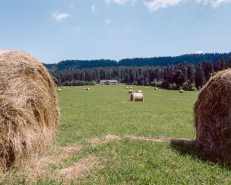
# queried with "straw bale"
point(212, 115)
point(29, 112)
point(130, 91)
point(137, 97)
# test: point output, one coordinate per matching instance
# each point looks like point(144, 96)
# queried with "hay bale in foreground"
point(29, 110)
point(137, 97)
point(212, 115)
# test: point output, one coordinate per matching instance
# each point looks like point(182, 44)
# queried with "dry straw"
point(212, 114)
point(29, 112)
point(130, 91)
point(137, 97)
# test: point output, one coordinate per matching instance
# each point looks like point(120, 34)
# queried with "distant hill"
point(154, 61)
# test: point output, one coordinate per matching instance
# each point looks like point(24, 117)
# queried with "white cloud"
point(121, 2)
point(219, 2)
point(156, 4)
point(77, 29)
point(107, 21)
point(107, 25)
point(60, 16)
point(199, 52)
point(93, 8)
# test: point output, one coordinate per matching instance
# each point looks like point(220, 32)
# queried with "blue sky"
point(55, 30)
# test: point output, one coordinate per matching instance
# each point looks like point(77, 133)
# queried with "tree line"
point(136, 62)
point(187, 76)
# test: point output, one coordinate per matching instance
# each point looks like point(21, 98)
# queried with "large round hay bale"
point(137, 97)
point(29, 112)
point(212, 115)
point(130, 91)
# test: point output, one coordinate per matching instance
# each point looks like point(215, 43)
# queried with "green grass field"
point(115, 141)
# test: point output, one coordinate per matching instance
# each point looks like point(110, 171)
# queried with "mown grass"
point(108, 110)
point(105, 110)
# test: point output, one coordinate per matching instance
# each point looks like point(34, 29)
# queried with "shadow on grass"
point(195, 150)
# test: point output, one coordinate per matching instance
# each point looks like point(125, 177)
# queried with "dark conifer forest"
point(189, 72)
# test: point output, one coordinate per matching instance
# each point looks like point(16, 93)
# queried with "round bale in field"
point(139, 91)
point(137, 97)
point(181, 91)
point(29, 112)
point(130, 91)
point(212, 115)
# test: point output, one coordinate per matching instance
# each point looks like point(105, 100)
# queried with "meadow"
point(104, 138)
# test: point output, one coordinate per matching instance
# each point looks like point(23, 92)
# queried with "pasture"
point(104, 138)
